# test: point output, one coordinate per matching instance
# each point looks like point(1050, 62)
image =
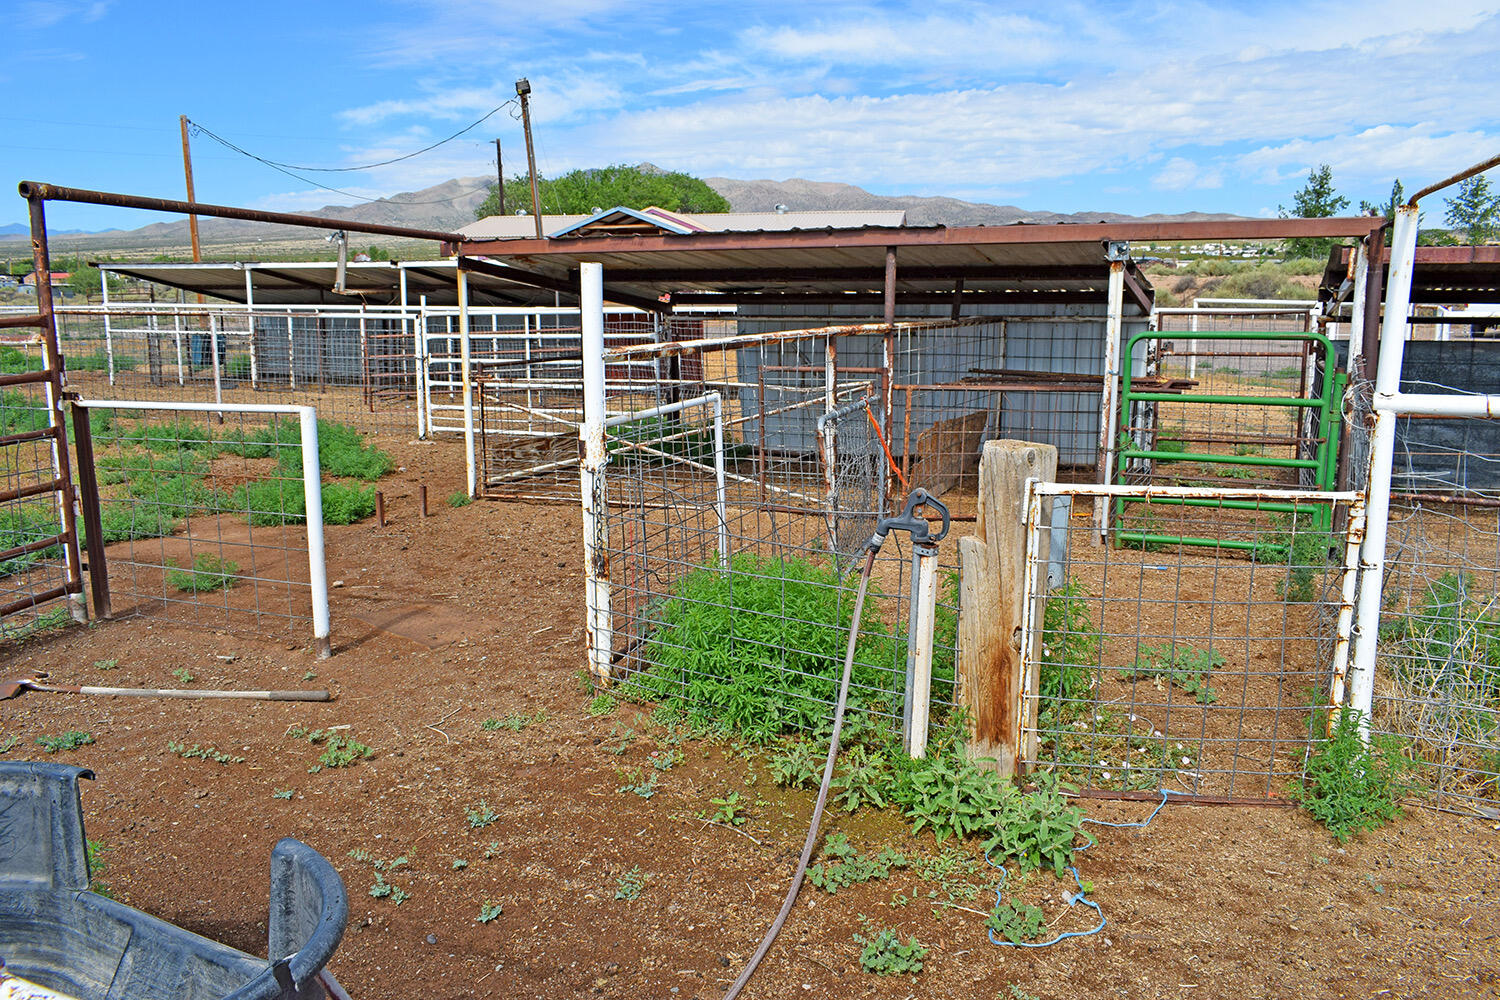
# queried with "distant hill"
point(446, 206)
point(802, 195)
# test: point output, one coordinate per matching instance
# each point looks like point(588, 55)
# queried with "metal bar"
point(34, 490)
point(36, 545)
point(599, 622)
point(317, 564)
point(53, 192)
point(1462, 175)
point(466, 375)
point(1114, 395)
point(22, 320)
point(1264, 461)
point(34, 600)
point(1157, 492)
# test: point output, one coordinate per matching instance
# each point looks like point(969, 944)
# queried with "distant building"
point(59, 280)
point(655, 221)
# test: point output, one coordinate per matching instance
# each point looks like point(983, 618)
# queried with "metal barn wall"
point(1068, 420)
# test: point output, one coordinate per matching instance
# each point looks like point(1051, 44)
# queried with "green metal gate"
point(1310, 414)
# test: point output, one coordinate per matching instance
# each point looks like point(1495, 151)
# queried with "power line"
point(203, 130)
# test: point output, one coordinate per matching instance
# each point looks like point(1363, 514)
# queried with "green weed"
point(182, 675)
point(282, 793)
point(94, 852)
point(1017, 923)
point(728, 811)
point(885, 954)
point(1348, 785)
point(344, 751)
point(202, 753)
point(629, 885)
point(209, 572)
point(1186, 666)
point(603, 704)
point(458, 498)
point(480, 815)
point(489, 911)
point(70, 740)
point(844, 866)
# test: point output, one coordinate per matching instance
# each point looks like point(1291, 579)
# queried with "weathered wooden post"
point(991, 675)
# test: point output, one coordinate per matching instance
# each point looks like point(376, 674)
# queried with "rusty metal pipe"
point(1462, 175)
point(52, 192)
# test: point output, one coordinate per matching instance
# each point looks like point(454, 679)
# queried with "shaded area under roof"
point(1461, 275)
point(303, 283)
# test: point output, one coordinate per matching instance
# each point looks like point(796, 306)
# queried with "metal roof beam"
point(873, 275)
point(877, 299)
point(522, 276)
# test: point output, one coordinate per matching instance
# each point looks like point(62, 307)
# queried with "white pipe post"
point(1382, 454)
point(364, 356)
point(291, 353)
point(317, 565)
point(1356, 361)
point(250, 327)
point(1193, 344)
point(919, 665)
point(464, 373)
point(177, 343)
point(599, 623)
point(213, 352)
point(1109, 397)
point(109, 339)
point(721, 499)
point(424, 370)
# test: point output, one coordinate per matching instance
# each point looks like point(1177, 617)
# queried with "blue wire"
point(1080, 896)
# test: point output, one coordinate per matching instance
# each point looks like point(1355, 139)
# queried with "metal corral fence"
point(215, 525)
point(1203, 669)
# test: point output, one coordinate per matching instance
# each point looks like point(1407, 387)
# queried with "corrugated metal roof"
point(520, 227)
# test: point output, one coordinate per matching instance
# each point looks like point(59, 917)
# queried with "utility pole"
point(523, 91)
point(500, 175)
point(187, 169)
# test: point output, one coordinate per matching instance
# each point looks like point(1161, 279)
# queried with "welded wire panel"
point(205, 523)
point(32, 562)
point(1202, 670)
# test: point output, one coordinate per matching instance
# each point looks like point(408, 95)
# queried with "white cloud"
point(1181, 173)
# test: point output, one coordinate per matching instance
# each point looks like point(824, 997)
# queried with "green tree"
point(1475, 209)
point(581, 191)
point(1316, 200)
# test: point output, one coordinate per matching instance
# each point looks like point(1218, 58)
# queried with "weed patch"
point(70, 740)
point(885, 954)
point(209, 572)
point(1185, 666)
point(1350, 786)
point(195, 752)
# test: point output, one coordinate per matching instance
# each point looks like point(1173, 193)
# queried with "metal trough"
point(57, 934)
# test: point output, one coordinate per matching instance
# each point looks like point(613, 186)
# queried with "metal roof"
point(311, 282)
point(515, 227)
point(978, 264)
point(1459, 275)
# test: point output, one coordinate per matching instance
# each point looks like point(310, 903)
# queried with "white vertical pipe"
point(470, 466)
point(291, 352)
point(924, 603)
point(364, 351)
point(721, 500)
point(424, 367)
point(213, 353)
point(1109, 397)
point(317, 565)
point(1348, 589)
point(1393, 331)
point(109, 339)
point(600, 626)
point(1193, 344)
point(1357, 312)
point(250, 326)
point(177, 342)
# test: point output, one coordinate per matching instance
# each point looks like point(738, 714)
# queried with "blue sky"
point(1163, 106)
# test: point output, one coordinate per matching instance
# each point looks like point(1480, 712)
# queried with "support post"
point(291, 353)
point(317, 566)
point(599, 623)
point(1382, 453)
point(1109, 398)
point(888, 390)
point(1355, 363)
point(919, 650)
point(466, 374)
point(109, 336)
point(213, 353)
point(88, 503)
point(992, 563)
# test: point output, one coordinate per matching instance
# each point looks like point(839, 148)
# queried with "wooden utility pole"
point(187, 169)
point(500, 175)
point(523, 91)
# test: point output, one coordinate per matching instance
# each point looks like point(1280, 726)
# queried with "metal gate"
point(1170, 665)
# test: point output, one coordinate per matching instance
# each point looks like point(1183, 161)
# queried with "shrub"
point(209, 572)
point(342, 451)
point(238, 367)
point(1349, 785)
point(458, 498)
point(282, 501)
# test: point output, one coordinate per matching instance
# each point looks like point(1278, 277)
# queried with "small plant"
point(70, 740)
point(458, 498)
point(1350, 786)
point(344, 751)
point(282, 793)
point(668, 760)
point(7, 744)
point(182, 675)
point(383, 889)
point(209, 572)
point(629, 885)
point(480, 815)
point(107, 664)
point(1017, 923)
point(603, 704)
point(633, 783)
point(845, 866)
point(796, 765)
point(728, 812)
point(862, 779)
point(1038, 828)
point(1185, 666)
point(885, 954)
point(459, 864)
point(203, 753)
point(489, 911)
point(492, 851)
point(310, 675)
point(94, 851)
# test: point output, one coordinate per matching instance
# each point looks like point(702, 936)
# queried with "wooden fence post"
point(992, 571)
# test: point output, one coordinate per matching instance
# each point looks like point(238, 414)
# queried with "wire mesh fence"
point(1437, 680)
point(1203, 670)
point(209, 524)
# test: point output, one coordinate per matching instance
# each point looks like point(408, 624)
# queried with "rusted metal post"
point(599, 623)
point(1374, 293)
point(380, 508)
point(993, 567)
point(41, 260)
point(88, 501)
point(422, 498)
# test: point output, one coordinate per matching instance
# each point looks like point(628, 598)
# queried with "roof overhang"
point(1460, 275)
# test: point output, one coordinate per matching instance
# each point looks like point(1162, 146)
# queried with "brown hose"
point(817, 816)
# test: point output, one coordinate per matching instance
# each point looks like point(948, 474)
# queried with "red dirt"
point(475, 613)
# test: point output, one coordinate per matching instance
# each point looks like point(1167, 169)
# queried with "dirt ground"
point(475, 614)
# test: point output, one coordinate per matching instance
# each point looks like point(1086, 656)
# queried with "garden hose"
point(907, 522)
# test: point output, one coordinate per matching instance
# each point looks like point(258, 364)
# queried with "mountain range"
point(451, 204)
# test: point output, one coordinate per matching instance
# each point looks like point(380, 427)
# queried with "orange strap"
point(883, 447)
